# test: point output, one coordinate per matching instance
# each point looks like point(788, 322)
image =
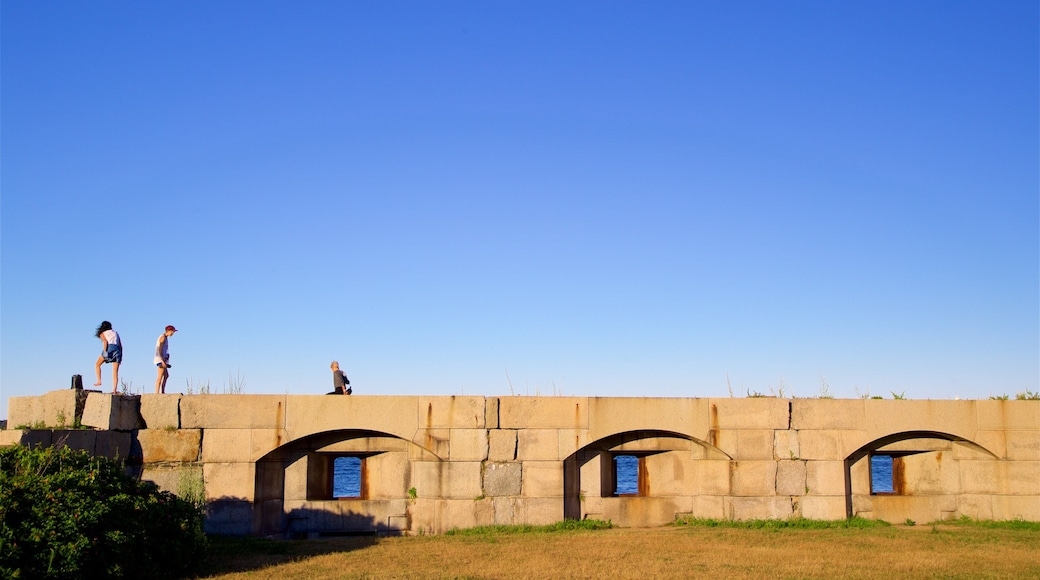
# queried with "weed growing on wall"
point(67, 514)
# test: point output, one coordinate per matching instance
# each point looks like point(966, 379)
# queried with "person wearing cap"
point(162, 358)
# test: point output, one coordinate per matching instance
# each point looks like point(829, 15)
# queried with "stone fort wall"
point(430, 464)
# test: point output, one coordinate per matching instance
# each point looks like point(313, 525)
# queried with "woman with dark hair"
point(111, 352)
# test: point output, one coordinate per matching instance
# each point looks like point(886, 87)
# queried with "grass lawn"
point(701, 549)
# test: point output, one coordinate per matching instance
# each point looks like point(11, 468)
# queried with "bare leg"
point(97, 369)
point(115, 377)
point(159, 382)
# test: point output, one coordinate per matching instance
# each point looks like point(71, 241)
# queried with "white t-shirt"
point(162, 349)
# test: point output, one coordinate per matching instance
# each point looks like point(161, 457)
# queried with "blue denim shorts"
point(114, 354)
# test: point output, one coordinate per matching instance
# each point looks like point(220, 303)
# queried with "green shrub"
point(67, 514)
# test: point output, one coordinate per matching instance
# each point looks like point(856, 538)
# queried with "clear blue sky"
point(586, 198)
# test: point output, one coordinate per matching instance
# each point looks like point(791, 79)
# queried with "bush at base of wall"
point(67, 514)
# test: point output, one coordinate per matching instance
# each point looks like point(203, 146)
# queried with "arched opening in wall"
point(635, 476)
point(337, 482)
point(913, 475)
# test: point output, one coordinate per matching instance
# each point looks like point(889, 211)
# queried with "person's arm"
point(159, 349)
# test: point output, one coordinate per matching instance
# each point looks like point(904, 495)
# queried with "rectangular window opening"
point(626, 474)
point(881, 477)
point(348, 477)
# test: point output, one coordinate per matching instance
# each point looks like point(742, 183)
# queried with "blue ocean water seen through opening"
point(346, 477)
point(881, 474)
point(627, 472)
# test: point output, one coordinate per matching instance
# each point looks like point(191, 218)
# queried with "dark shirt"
point(340, 380)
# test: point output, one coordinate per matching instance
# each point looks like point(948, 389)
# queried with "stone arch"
point(642, 440)
point(868, 448)
point(269, 485)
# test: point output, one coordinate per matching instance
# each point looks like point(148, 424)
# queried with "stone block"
point(1023, 445)
point(310, 414)
point(180, 445)
point(979, 507)
point(447, 480)
point(229, 481)
point(759, 508)
point(754, 413)
point(114, 412)
point(440, 515)
point(82, 439)
point(502, 479)
point(504, 510)
point(571, 440)
point(785, 445)
point(1012, 507)
point(828, 414)
point(709, 507)
point(612, 415)
point(753, 478)
point(502, 444)
point(161, 411)
point(235, 411)
point(669, 474)
point(295, 481)
point(538, 444)
point(1023, 478)
point(982, 477)
point(452, 412)
point(829, 507)
point(896, 509)
point(829, 445)
point(118, 445)
point(791, 478)
point(929, 474)
point(712, 477)
point(388, 475)
point(543, 412)
point(363, 445)
point(227, 446)
point(885, 417)
point(9, 437)
point(52, 409)
point(468, 444)
point(641, 512)
point(542, 479)
point(491, 413)
point(747, 444)
point(538, 511)
point(825, 477)
point(1000, 415)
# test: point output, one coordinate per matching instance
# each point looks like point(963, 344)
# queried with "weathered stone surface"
point(542, 479)
point(180, 445)
point(822, 507)
point(116, 445)
point(894, 416)
point(115, 412)
point(825, 477)
point(829, 414)
point(756, 413)
point(896, 509)
point(785, 445)
point(790, 478)
point(753, 478)
point(1023, 445)
point(543, 412)
point(468, 444)
point(502, 479)
point(760, 508)
point(747, 444)
point(236, 411)
point(53, 409)
point(451, 412)
point(645, 511)
point(502, 444)
point(176, 479)
point(538, 444)
point(451, 480)
point(229, 481)
point(998, 415)
point(491, 413)
point(161, 411)
point(612, 415)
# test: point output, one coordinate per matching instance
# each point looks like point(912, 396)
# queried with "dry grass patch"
point(674, 552)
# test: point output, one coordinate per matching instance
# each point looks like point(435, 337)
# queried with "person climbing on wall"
point(111, 352)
